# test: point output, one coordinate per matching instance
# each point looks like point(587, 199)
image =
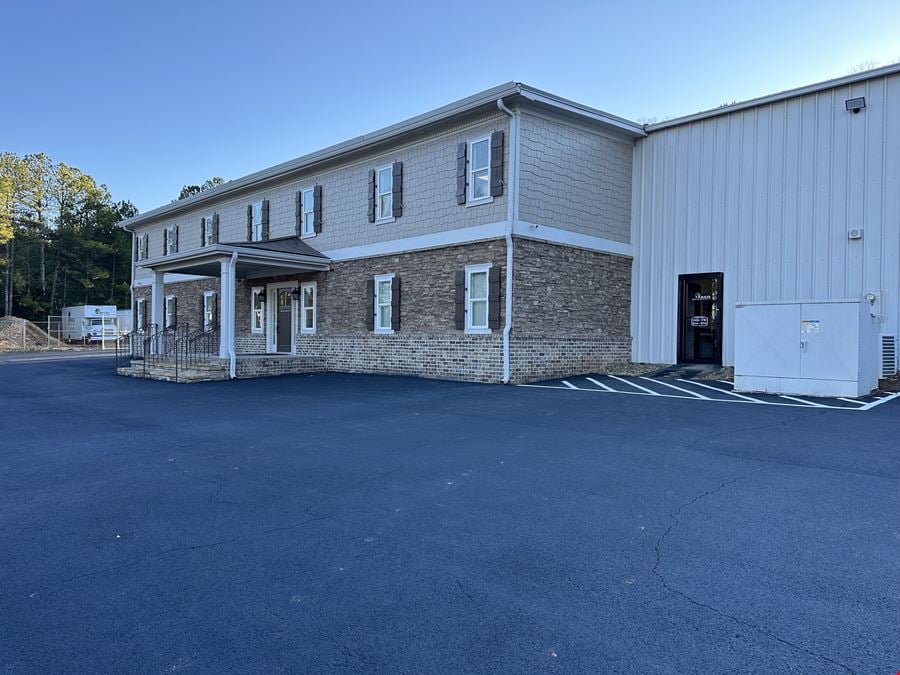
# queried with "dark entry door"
point(283, 327)
point(700, 318)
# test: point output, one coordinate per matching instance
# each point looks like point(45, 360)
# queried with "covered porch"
point(230, 262)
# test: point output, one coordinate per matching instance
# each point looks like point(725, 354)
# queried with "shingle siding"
point(574, 179)
point(429, 197)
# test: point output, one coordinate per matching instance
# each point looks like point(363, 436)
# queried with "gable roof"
point(510, 92)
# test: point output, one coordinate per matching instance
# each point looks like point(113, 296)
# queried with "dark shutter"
point(298, 212)
point(249, 222)
point(215, 228)
point(372, 195)
point(494, 298)
point(174, 311)
point(496, 164)
point(370, 304)
point(137, 247)
point(265, 219)
point(460, 305)
point(176, 238)
point(395, 303)
point(202, 310)
point(203, 231)
point(317, 209)
point(165, 240)
point(146, 245)
point(397, 189)
point(461, 172)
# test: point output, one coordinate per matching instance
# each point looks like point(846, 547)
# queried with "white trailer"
point(90, 323)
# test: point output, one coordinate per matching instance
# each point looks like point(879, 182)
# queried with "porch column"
point(226, 311)
point(157, 304)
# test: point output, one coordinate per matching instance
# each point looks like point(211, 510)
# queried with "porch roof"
point(255, 259)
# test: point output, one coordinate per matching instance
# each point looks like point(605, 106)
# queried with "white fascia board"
point(555, 235)
point(463, 235)
point(568, 107)
point(170, 278)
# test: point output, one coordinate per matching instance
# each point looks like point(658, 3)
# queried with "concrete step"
point(167, 374)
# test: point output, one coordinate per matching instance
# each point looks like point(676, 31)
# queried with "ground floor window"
point(171, 312)
point(209, 310)
point(477, 298)
point(383, 283)
point(140, 319)
point(308, 307)
point(257, 309)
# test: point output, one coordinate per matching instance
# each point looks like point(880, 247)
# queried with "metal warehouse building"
point(786, 198)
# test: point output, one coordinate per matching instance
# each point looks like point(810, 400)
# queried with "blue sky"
point(148, 96)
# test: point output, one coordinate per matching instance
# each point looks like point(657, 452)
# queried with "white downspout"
point(512, 201)
point(232, 290)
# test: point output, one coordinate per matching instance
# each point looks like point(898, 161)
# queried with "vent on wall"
point(888, 355)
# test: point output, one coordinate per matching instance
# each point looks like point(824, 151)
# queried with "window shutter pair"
point(459, 317)
point(371, 195)
point(213, 227)
point(496, 164)
point(397, 189)
point(372, 304)
point(462, 173)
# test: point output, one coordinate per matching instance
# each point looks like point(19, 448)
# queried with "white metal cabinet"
point(815, 348)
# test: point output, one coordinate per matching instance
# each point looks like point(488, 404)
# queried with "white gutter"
point(512, 200)
point(131, 285)
point(232, 289)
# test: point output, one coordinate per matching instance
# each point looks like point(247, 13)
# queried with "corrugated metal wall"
point(767, 196)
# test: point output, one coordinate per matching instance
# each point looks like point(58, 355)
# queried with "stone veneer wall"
point(571, 314)
point(571, 311)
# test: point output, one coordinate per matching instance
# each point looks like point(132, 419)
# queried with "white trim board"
point(476, 233)
point(170, 278)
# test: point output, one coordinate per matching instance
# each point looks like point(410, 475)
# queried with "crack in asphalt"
point(657, 548)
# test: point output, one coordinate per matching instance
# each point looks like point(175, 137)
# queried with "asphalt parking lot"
point(338, 523)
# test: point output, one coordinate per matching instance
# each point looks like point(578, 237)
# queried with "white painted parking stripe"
point(800, 400)
point(851, 400)
point(569, 384)
point(672, 386)
point(730, 384)
point(599, 384)
point(637, 386)
point(722, 391)
point(883, 399)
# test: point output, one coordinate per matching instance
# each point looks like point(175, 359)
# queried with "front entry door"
point(284, 329)
point(700, 318)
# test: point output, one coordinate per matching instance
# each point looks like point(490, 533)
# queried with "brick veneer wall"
point(189, 306)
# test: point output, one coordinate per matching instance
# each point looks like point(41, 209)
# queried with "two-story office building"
point(515, 235)
point(487, 240)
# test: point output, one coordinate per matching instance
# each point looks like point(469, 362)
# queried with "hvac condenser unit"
point(816, 348)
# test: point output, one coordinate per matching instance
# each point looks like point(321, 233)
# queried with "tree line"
point(60, 240)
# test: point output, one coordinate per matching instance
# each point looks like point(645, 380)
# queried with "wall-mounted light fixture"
point(854, 105)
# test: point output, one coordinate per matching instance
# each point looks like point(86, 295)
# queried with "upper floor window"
point(256, 222)
point(480, 169)
point(143, 247)
point(307, 213)
point(209, 235)
point(171, 240)
point(477, 298)
point(384, 186)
